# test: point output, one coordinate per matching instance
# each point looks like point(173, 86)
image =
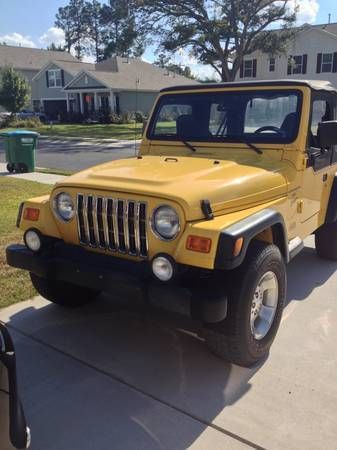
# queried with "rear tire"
point(244, 337)
point(10, 167)
point(326, 241)
point(62, 293)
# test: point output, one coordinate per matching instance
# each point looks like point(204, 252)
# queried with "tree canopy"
point(14, 90)
point(101, 29)
point(218, 33)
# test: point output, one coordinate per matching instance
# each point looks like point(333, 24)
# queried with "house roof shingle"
point(123, 73)
point(31, 58)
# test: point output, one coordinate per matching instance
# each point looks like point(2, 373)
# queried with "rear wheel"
point(63, 293)
point(326, 241)
point(10, 167)
point(256, 300)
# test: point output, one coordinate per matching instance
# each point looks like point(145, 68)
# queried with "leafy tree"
point(219, 33)
point(55, 48)
point(95, 30)
point(165, 62)
point(14, 91)
point(122, 35)
point(72, 20)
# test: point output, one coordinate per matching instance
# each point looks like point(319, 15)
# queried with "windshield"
point(270, 116)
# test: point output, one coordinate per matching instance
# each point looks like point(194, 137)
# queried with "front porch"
point(91, 102)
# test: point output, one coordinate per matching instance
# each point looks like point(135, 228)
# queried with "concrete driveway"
point(66, 154)
point(113, 376)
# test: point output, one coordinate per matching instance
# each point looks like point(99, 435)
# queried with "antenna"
point(137, 86)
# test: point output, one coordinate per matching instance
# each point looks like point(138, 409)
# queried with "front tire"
point(62, 293)
point(256, 299)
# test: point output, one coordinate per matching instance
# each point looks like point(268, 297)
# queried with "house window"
point(327, 61)
point(297, 64)
point(272, 65)
point(55, 78)
point(248, 68)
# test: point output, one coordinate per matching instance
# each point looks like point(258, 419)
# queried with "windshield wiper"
point(249, 144)
point(188, 145)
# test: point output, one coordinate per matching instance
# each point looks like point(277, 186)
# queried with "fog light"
point(32, 240)
point(162, 268)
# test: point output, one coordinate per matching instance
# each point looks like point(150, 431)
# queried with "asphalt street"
point(78, 155)
point(113, 376)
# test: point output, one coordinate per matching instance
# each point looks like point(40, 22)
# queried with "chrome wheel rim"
point(264, 305)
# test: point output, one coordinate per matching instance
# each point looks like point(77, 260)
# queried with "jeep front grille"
point(112, 224)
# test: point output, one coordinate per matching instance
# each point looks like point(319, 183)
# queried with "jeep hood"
point(228, 185)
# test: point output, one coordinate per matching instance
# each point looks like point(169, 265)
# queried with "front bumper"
point(113, 275)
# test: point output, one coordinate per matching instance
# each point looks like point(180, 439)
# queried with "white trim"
point(89, 74)
point(49, 98)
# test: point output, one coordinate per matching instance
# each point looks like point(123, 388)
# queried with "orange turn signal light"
point(199, 244)
point(237, 247)
point(31, 214)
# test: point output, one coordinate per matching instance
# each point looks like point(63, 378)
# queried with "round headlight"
point(165, 222)
point(64, 206)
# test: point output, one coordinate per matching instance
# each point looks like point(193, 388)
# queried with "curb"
point(86, 139)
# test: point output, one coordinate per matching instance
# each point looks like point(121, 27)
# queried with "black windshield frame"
point(263, 138)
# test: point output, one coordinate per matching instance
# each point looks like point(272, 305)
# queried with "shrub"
point(115, 118)
point(127, 117)
point(140, 117)
point(14, 122)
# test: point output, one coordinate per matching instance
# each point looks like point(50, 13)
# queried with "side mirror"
point(327, 133)
point(13, 428)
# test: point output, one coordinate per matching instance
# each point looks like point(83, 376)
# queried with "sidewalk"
point(46, 178)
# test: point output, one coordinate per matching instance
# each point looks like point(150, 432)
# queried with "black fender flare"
point(331, 212)
point(248, 228)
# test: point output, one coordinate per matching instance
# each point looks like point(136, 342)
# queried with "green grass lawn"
point(15, 284)
point(98, 131)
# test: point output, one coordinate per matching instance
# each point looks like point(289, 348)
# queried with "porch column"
point(68, 103)
point(111, 102)
point(81, 103)
point(96, 102)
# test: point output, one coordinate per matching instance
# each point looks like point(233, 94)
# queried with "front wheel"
point(256, 299)
point(62, 293)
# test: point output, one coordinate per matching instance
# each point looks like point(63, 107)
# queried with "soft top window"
point(269, 116)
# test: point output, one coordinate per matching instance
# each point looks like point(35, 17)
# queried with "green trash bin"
point(20, 148)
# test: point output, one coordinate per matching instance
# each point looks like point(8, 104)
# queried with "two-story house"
point(312, 54)
point(61, 84)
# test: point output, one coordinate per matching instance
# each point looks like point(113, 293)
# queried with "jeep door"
point(321, 163)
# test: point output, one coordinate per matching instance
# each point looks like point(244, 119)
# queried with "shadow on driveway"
point(111, 376)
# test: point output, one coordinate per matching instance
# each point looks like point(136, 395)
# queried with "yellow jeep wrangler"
point(229, 180)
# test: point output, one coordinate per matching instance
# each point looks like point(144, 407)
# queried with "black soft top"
point(317, 85)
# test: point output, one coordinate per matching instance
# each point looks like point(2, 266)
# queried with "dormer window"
point(54, 78)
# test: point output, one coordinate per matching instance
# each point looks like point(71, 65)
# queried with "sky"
point(30, 23)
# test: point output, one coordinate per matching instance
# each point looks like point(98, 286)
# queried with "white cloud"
point(52, 35)
point(17, 39)
point(307, 10)
point(88, 59)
